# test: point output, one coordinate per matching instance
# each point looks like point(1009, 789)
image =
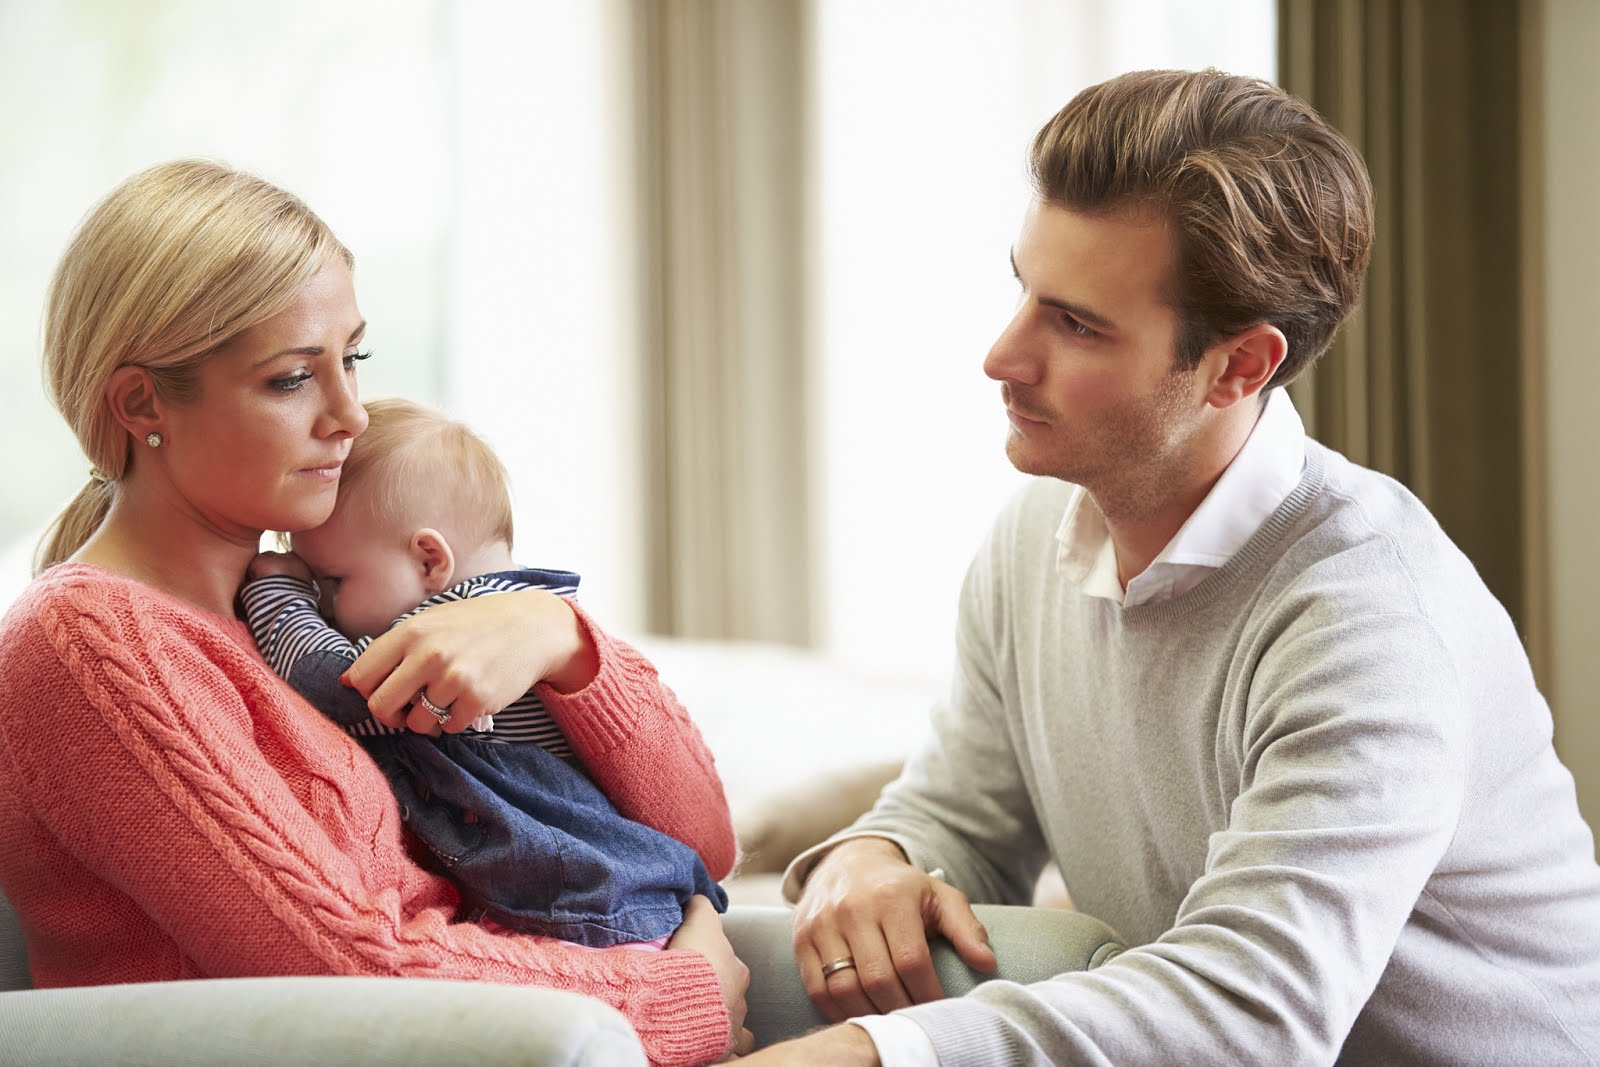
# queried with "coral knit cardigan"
point(170, 809)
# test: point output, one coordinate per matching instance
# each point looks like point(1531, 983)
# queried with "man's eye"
point(1076, 328)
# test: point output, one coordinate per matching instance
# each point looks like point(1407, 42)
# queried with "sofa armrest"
point(1031, 944)
point(312, 1022)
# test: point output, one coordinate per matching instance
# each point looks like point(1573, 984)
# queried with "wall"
point(1570, 191)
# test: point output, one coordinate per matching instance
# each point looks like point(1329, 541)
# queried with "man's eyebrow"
point(307, 350)
point(1078, 311)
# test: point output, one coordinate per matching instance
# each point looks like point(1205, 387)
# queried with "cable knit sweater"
point(170, 809)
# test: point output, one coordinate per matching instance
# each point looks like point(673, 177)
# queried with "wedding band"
point(442, 714)
point(843, 963)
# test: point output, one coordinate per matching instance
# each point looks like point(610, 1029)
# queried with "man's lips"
point(1018, 411)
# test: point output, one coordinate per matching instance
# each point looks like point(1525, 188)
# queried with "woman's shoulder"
point(84, 605)
point(68, 592)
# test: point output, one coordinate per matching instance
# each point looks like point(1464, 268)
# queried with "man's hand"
point(865, 903)
point(267, 564)
point(837, 1046)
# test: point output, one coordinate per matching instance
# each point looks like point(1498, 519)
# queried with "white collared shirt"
point(1259, 479)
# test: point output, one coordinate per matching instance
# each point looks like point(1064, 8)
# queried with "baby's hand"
point(268, 564)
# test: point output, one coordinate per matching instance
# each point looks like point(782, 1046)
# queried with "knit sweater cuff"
point(606, 712)
point(967, 1032)
point(694, 1026)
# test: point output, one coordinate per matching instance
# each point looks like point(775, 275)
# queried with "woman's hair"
point(414, 467)
point(1271, 209)
point(174, 263)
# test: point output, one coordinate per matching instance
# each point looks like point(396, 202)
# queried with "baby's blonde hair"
point(415, 467)
point(173, 264)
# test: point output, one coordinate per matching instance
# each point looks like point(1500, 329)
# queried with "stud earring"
point(153, 440)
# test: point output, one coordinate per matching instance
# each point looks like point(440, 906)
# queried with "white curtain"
point(714, 276)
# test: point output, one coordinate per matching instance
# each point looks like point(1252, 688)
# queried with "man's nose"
point(1009, 358)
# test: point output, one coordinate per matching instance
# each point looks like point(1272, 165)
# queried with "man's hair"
point(416, 467)
point(1270, 208)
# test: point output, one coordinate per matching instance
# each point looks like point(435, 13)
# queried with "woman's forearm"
point(644, 751)
point(574, 661)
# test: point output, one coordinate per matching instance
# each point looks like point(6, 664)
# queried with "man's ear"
point(131, 396)
point(432, 554)
point(1242, 365)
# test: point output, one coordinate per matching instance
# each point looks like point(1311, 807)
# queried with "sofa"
point(844, 734)
point(415, 1022)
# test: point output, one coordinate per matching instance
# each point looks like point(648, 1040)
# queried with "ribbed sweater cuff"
point(605, 712)
point(684, 994)
point(964, 1032)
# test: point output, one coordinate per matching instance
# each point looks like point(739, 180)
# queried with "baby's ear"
point(434, 559)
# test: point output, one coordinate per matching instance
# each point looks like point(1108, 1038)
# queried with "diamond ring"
point(442, 714)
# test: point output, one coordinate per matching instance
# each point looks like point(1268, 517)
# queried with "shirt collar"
point(1259, 479)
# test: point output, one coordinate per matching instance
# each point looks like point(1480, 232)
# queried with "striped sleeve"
point(305, 651)
point(282, 613)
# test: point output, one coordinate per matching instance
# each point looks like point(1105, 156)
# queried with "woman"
point(168, 808)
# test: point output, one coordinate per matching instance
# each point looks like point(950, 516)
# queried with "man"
point(1261, 712)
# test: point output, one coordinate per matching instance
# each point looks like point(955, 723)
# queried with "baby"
point(423, 516)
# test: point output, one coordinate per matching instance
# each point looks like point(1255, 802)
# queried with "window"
point(925, 113)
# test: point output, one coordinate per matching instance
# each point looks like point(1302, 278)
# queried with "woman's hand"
point(473, 657)
point(702, 932)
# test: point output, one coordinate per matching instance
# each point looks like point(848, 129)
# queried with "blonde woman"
point(168, 807)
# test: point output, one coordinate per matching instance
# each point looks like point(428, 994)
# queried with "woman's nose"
point(345, 416)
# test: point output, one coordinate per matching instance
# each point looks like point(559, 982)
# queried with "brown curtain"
point(1427, 381)
point(722, 91)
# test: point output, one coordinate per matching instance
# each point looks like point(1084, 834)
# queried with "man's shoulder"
point(1366, 544)
point(1362, 510)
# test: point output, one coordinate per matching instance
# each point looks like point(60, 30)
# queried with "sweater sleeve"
point(258, 838)
point(644, 752)
point(1351, 791)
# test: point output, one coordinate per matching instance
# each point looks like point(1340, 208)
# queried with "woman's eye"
point(351, 359)
point(290, 382)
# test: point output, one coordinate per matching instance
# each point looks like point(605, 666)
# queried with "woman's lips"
point(329, 473)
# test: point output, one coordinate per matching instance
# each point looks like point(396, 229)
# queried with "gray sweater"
point(1316, 793)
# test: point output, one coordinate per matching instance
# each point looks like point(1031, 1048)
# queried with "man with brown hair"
point(1261, 712)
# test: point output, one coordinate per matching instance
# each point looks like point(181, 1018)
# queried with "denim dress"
point(529, 840)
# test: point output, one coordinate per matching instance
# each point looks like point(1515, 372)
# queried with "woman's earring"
point(153, 440)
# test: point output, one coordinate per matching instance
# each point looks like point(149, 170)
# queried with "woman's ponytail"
point(81, 518)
